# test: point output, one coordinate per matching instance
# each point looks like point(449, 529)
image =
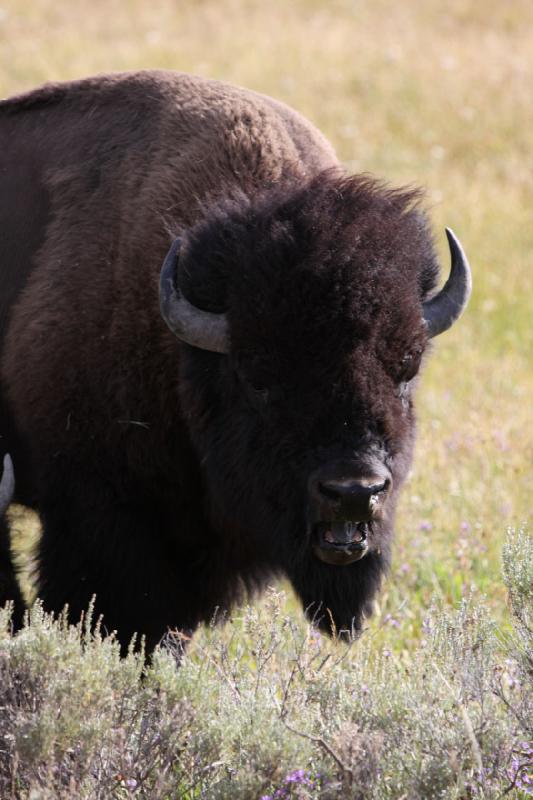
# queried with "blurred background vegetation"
point(428, 93)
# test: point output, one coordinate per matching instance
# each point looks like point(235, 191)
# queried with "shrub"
point(264, 707)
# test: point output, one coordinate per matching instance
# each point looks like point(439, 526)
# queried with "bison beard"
point(254, 417)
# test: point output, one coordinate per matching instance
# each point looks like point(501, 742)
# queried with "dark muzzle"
point(354, 499)
point(344, 498)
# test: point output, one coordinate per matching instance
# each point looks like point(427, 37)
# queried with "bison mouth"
point(340, 542)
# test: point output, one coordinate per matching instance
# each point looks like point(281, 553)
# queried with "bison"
point(186, 432)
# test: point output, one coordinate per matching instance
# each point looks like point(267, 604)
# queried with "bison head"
point(306, 314)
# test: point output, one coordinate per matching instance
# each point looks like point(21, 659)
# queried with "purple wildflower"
point(299, 777)
point(427, 625)
point(521, 770)
point(390, 620)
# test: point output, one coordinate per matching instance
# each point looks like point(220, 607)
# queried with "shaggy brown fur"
point(164, 484)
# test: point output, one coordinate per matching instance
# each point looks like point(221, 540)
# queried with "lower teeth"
point(350, 534)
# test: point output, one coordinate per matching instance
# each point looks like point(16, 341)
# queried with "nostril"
point(330, 490)
point(343, 489)
point(382, 487)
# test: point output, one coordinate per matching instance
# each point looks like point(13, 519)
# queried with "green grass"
point(436, 94)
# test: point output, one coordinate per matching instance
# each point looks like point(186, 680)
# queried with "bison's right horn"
point(198, 328)
point(7, 485)
point(447, 306)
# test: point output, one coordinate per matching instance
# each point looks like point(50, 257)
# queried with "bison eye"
point(259, 396)
point(408, 367)
point(253, 381)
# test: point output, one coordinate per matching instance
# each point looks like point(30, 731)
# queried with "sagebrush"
point(263, 706)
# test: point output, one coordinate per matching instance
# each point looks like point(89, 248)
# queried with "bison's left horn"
point(7, 485)
point(198, 328)
point(447, 306)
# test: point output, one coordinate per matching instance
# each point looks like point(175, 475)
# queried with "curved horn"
point(7, 484)
point(198, 328)
point(447, 306)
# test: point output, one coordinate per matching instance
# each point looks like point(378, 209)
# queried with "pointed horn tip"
point(7, 483)
point(457, 248)
point(445, 308)
point(7, 464)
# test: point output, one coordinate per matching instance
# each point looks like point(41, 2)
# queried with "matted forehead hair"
point(328, 218)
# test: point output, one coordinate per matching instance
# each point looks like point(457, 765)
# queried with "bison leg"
point(9, 588)
point(117, 550)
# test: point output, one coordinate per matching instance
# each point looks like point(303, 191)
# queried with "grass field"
point(435, 94)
